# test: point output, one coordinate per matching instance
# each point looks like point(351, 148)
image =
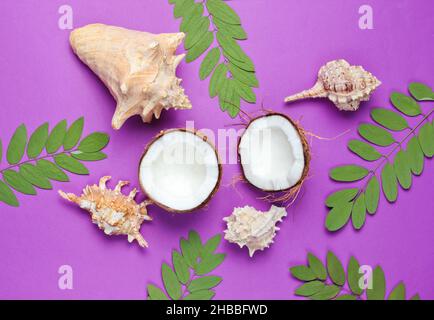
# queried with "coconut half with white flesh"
point(274, 153)
point(180, 170)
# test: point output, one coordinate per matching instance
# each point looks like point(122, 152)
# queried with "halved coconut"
point(180, 170)
point(274, 153)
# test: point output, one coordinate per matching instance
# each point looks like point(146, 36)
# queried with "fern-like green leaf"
point(421, 92)
point(405, 104)
point(56, 137)
point(372, 195)
point(17, 145)
point(364, 150)
point(341, 196)
point(389, 119)
point(348, 173)
point(358, 215)
point(37, 141)
point(376, 135)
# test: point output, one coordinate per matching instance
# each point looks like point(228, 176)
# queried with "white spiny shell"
point(113, 212)
point(345, 85)
point(137, 67)
point(253, 229)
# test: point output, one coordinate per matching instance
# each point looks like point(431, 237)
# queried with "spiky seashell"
point(252, 228)
point(113, 212)
point(137, 67)
point(345, 85)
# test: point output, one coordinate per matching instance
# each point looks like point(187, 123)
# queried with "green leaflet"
point(229, 99)
point(402, 170)
point(338, 216)
point(335, 269)
point(302, 273)
point(182, 7)
point(73, 134)
point(389, 119)
point(421, 92)
point(33, 175)
point(351, 283)
point(246, 77)
point(376, 135)
point(317, 267)
point(197, 32)
point(389, 183)
point(378, 290)
point(426, 139)
point(231, 30)
point(155, 293)
point(179, 282)
point(209, 63)
point(70, 164)
point(341, 197)
point(353, 276)
point(364, 150)
point(415, 156)
point(37, 141)
point(348, 173)
point(372, 195)
point(93, 156)
point(56, 137)
point(359, 212)
point(94, 142)
point(200, 47)
point(222, 11)
point(7, 196)
point(217, 80)
point(230, 46)
point(17, 181)
point(204, 283)
point(245, 63)
point(245, 92)
point(51, 171)
point(195, 12)
point(405, 104)
point(17, 145)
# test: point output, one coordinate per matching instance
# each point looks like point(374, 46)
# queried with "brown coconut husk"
point(211, 195)
point(289, 195)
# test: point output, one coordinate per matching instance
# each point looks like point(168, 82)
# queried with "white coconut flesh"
point(179, 171)
point(272, 154)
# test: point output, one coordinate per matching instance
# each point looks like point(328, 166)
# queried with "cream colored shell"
point(137, 67)
point(345, 85)
point(253, 229)
point(113, 212)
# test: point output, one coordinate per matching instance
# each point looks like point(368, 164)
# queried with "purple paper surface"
point(42, 80)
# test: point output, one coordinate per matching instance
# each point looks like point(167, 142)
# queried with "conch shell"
point(137, 67)
point(253, 229)
point(346, 86)
point(113, 212)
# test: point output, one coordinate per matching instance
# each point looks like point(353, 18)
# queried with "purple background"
point(288, 41)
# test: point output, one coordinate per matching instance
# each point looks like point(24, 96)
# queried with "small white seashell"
point(252, 228)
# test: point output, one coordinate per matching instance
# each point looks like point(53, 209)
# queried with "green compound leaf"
point(73, 134)
point(222, 11)
point(211, 245)
point(326, 293)
point(398, 293)
point(354, 276)
point(190, 255)
point(376, 135)
point(402, 170)
point(309, 288)
point(51, 171)
point(200, 295)
point(421, 91)
point(217, 80)
point(209, 263)
point(378, 290)
point(70, 164)
point(7, 196)
point(341, 197)
point(415, 156)
point(302, 273)
point(204, 283)
point(33, 175)
point(17, 181)
point(372, 195)
point(389, 183)
point(426, 139)
point(405, 104)
point(155, 293)
point(364, 150)
point(93, 156)
point(94, 142)
point(339, 216)
point(335, 269)
point(197, 32)
point(181, 267)
point(37, 141)
point(200, 47)
point(359, 212)
point(56, 137)
point(389, 119)
point(348, 173)
point(171, 283)
point(317, 267)
point(17, 145)
point(209, 63)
